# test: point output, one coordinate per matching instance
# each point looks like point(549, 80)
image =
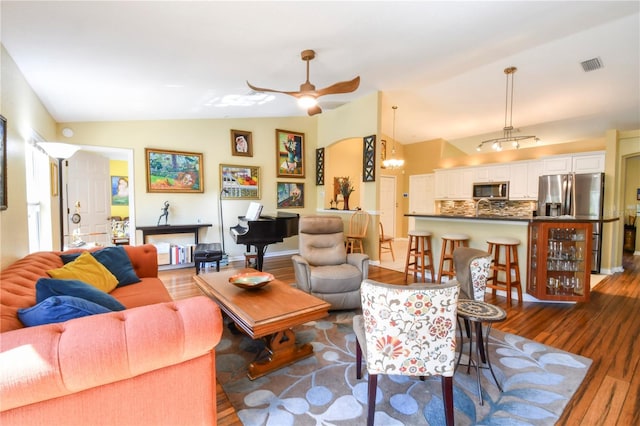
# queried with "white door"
point(87, 181)
point(421, 195)
point(388, 204)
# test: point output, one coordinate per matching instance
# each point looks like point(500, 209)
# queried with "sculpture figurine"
point(165, 214)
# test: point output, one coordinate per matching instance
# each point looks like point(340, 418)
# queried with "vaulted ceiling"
point(441, 63)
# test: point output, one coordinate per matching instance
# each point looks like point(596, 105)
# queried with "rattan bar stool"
point(419, 256)
point(509, 246)
point(450, 242)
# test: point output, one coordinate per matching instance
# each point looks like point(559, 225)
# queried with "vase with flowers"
point(345, 189)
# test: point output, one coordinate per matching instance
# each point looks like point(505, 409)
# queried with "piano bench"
point(208, 252)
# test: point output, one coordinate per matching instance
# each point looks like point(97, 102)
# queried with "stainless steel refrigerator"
point(579, 196)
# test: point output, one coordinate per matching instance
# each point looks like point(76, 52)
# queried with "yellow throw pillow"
point(86, 268)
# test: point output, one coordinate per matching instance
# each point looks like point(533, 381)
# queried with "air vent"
point(591, 64)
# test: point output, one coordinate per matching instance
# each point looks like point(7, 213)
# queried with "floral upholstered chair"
point(472, 269)
point(410, 331)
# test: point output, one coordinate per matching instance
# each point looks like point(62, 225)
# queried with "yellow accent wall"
point(119, 168)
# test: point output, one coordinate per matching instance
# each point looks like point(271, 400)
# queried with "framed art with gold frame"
point(290, 153)
point(290, 195)
point(241, 143)
point(239, 182)
point(174, 171)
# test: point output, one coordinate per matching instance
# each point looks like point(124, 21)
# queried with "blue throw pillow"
point(115, 259)
point(59, 309)
point(47, 287)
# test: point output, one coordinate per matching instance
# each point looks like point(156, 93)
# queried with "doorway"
point(388, 204)
point(87, 179)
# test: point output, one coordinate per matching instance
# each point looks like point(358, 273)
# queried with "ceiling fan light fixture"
point(307, 101)
point(507, 130)
point(308, 94)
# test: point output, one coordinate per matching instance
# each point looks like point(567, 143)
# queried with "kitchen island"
point(481, 227)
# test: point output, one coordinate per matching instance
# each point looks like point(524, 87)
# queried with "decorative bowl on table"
point(251, 280)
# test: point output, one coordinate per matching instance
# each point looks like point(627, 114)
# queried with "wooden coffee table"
point(268, 313)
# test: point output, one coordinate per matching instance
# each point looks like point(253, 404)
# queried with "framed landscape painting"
point(239, 182)
point(290, 152)
point(174, 171)
point(290, 195)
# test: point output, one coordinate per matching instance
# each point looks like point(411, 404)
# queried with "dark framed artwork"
point(119, 191)
point(174, 171)
point(369, 158)
point(320, 166)
point(290, 195)
point(239, 182)
point(290, 153)
point(3, 163)
point(241, 143)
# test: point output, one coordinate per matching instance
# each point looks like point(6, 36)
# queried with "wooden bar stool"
point(450, 242)
point(510, 265)
point(419, 253)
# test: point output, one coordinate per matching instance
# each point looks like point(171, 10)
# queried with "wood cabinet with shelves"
point(559, 261)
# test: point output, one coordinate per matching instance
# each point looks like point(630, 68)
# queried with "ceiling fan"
point(308, 95)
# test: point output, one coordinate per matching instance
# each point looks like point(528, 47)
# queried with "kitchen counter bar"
point(525, 219)
point(480, 228)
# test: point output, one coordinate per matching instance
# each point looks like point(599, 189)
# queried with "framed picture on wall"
point(290, 195)
point(174, 171)
point(119, 191)
point(290, 153)
point(3, 163)
point(239, 182)
point(241, 143)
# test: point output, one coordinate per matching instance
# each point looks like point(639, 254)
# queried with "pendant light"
point(393, 162)
point(507, 136)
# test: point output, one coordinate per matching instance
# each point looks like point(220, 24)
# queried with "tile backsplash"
point(498, 208)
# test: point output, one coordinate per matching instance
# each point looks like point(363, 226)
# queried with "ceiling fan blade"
point(341, 87)
point(314, 110)
point(261, 89)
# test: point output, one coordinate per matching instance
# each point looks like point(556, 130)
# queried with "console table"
point(172, 229)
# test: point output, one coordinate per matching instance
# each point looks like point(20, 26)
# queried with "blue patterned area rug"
point(538, 382)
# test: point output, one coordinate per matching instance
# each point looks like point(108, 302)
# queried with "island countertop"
point(513, 218)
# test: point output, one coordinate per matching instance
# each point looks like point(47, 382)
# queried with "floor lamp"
point(60, 151)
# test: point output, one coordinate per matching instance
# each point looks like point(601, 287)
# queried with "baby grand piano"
point(263, 231)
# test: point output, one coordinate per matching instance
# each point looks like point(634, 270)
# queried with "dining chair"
point(472, 270)
point(385, 243)
point(408, 331)
point(358, 224)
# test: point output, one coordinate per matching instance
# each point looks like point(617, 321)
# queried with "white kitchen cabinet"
point(523, 180)
point(493, 173)
point(442, 184)
point(518, 181)
point(557, 165)
point(534, 171)
point(590, 163)
point(454, 184)
point(463, 188)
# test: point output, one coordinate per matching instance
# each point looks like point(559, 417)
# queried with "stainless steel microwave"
point(491, 190)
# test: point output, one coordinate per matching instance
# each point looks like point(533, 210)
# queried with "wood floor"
point(606, 330)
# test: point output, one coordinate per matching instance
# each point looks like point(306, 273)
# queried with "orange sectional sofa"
point(151, 364)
